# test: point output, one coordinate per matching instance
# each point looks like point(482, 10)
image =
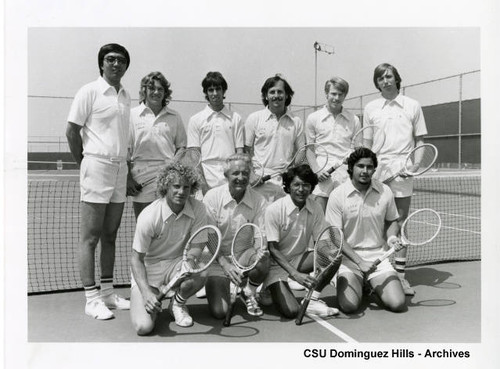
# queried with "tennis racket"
point(256, 173)
point(247, 249)
point(189, 157)
point(420, 228)
point(200, 251)
point(306, 154)
point(326, 251)
point(418, 161)
point(370, 136)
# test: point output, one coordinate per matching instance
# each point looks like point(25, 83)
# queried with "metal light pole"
point(327, 49)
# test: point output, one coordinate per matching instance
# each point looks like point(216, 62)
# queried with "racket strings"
point(205, 246)
point(309, 154)
point(256, 173)
point(421, 227)
point(327, 248)
point(421, 159)
point(246, 245)
point(189, 157)
point(370, 137)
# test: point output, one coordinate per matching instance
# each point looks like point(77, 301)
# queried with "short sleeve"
point(81, 107)
point(272, 224)
point(249, 129)
point(333, 213)
point(193, 134)
point(181, 136)
point(239, 131)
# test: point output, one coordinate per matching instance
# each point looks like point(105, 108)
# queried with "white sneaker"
point(320, 308)
point(114, 301)
point(296, 286)
point(98, 310)
point(201, 294)
point(180, 314)
point(252, 305)
point(408, 290)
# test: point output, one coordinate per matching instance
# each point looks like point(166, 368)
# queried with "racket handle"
point(165, 289)
point(265, 178)
point(229, 315)
point(385, 255)
point(303, 308)
point(336, 166)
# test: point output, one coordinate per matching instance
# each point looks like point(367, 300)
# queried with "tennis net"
point(53, 228)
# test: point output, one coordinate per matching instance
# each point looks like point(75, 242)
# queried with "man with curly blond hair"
point(163, 229)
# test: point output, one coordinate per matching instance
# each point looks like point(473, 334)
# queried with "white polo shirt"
point(335, 134)
point(274, 141)
point(218, 135)
point(228, 215)
point(401, 119)
point(362, 217)
point(104, 115)
point(161, 234)
point(293, 228)
point(155, 137)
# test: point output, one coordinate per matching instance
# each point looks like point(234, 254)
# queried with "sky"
point(46, 52)
point(61, 60)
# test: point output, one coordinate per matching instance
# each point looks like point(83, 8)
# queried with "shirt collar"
point(208, 112)
point(166, 212)
point(325, 113)
point(270, 114)
point(105, 86)
point(227, 198)
point(164, 110)
point(397, 100)
point(375, 185)
point(290, 207)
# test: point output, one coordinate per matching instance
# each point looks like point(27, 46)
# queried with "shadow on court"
point(446, 308)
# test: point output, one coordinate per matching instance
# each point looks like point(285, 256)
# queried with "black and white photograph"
point(321, 193)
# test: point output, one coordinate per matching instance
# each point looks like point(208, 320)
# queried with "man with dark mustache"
point(273, 134)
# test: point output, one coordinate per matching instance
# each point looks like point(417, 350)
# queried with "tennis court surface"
point(446, 275)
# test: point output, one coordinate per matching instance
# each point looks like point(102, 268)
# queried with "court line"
point(459, 215)
point(333, 329)
point(461, 230)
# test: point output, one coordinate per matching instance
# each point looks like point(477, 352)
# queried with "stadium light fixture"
point(324, 48)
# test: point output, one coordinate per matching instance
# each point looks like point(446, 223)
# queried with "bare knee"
point(144, 328)
point(396, 305)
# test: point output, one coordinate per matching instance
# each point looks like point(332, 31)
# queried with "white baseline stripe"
point(332, 329)
point(461, 230)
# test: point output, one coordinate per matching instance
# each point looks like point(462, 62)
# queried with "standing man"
point(97, 133)
point(291, 222)
point(366, 212)
point(333, 127)
point(403, 123)
point(274, 134)
point(156, 134)
point(163, 229)
point(216, 131)
point(230, 206)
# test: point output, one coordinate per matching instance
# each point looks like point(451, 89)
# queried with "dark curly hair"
point(304, 172)
point(357, 154)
